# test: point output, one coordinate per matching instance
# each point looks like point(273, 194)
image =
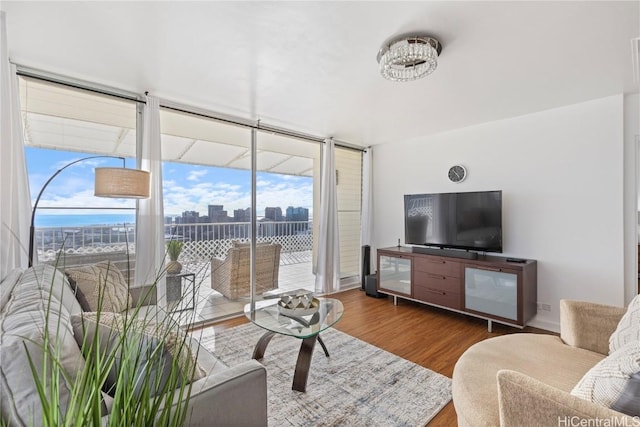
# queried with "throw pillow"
point(138, 351)
point(615, 381)
point(104, 279)
point(628, 329)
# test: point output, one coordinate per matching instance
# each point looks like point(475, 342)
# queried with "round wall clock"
point(457, 173)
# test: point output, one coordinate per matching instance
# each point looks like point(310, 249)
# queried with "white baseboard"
point(545, 324)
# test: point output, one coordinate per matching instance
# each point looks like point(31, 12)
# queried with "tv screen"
point(470, 221)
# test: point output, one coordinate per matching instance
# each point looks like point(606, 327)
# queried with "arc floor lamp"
point(109, 182)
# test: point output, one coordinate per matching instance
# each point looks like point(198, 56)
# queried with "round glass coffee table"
point(307, 328)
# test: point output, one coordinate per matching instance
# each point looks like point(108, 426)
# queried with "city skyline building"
point(297, 214)
point(273, 213)
point(217, 214)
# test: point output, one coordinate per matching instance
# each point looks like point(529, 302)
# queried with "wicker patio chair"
point(231, 276)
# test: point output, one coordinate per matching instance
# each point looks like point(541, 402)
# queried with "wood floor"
point(428, 336)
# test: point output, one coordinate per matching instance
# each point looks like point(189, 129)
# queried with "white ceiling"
point(311, 66)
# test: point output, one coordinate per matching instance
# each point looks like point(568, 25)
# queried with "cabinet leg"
point(395, 300)
point(489, 326)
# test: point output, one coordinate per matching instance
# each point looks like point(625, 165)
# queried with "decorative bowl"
point(297, 312)
point(298, 303)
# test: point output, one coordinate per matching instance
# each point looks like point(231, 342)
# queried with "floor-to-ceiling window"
point(208, 206)
point(63, 124)
point(207, 199)
point(287, 191)
point(207, 190)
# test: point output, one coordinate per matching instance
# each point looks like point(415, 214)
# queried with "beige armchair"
point(231, 276)
point(526, 379)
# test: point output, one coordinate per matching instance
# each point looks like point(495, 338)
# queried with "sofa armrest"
point(525, 401)
point(234, 397)
point(588, 325)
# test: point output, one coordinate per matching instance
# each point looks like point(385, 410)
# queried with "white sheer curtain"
point(150, 250)
point(366, 236)
point(15, 209)
point(366, 228)
point(328, 273)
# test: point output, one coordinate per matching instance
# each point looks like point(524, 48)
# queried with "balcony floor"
point(295, 273)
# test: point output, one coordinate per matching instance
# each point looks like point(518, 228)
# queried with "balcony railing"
point(202, 241)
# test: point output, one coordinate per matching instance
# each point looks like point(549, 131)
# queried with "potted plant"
point(174, 248)
point(148, 389)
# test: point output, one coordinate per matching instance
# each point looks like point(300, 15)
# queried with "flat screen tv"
point(471, 221)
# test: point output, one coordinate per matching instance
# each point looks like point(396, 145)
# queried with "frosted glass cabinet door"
point(394, 274)
point(492, 292)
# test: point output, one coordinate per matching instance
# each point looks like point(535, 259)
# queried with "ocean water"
point(83, 220)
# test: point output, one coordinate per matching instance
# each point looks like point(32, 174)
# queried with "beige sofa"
point(225, 396)
point(526, 379)
point(231, 276)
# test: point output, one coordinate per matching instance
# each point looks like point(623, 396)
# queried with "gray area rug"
point(359, 385)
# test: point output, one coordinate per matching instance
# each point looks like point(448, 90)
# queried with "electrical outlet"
point(543, 306)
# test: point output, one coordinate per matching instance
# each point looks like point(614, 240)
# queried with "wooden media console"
point(491, 287)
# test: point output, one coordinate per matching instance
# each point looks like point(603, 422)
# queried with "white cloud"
point(225, 186)
point(181, 193)
point(87, 164)
point(196, 175)
point(80, 199)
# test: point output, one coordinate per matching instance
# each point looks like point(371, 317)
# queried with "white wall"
point(561, 173)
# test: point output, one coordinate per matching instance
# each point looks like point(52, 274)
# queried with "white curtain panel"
point(150, 245)
point(328, 273)
point(366, 232)
point(15, 209)
point(366, 236)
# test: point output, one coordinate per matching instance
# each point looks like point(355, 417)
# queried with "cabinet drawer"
point(437, 266)
point(439, 282)
point(435, 296)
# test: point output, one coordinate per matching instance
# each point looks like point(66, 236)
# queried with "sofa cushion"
point(7, 284)
point(141, 340)
point(615, 381)
point(38, 306)
point(91, 281)
point(628, 329)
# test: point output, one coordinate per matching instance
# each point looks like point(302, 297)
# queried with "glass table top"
point(268, 316)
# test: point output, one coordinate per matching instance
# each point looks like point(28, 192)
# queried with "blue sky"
point(186, 187)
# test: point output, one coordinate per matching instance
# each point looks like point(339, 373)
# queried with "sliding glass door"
point(208, 207)
point(287, 193)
